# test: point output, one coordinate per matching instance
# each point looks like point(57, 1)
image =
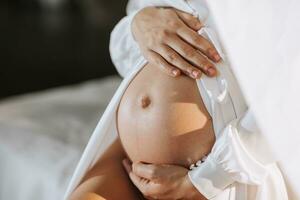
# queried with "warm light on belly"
point(184, 125)
point(92, 196)
point(164, 121)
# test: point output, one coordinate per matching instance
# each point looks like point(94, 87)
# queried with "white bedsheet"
point(42, 137)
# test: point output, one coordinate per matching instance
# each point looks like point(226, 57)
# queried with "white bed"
point(42, 137)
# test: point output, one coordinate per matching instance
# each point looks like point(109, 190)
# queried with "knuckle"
point(197, 39)
point(206, 65)
point(202, 65)
point(174, 24)
point(197, 25)
point(189, 69)
point(195, 21)
point(189, 52)
point(172, 57)
point(163, 35)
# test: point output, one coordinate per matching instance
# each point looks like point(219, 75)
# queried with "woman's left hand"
point(162, 181)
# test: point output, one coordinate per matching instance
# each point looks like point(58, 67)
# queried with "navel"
point(145, 101)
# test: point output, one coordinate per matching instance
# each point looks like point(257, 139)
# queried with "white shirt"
point(240, 155)
point(239, 166)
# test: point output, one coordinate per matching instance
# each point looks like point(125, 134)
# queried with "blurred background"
point(47, 43)
point(56, 79)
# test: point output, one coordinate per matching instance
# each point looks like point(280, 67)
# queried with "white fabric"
point(198, 8)
point(262, 42)
point(42, 137)
point(246, 173)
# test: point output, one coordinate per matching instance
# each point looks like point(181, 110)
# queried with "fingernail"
point(196, 74)
point(214, 55)
point(198, 25)
point(211, 71)
point(217, 57)
point(175, 72)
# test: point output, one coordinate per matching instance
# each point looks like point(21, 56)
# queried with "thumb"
point(190, 20)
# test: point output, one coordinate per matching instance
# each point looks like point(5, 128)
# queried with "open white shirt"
point(240, 166)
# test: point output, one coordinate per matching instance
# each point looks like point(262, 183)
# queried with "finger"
point(138, 182)
point(190, 20)
point(158, 60)
point(147, 171)
point(192, 55)
point(175, 59)
point(199, 42)
point(147, 187)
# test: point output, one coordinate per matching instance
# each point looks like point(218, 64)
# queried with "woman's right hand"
point(168, 38)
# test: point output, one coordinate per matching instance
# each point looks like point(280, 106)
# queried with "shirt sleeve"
point(229, 160)
point(124, 50)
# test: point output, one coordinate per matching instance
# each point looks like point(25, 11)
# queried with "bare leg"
point(107, 180)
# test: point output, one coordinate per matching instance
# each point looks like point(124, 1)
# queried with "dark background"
point(49, 43)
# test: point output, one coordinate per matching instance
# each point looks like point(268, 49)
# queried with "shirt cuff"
point(209, 178)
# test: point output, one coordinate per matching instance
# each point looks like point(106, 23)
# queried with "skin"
point(162, 181)
point(153, 173)
point(164, 127)
point(172, 43)
point(108, 174)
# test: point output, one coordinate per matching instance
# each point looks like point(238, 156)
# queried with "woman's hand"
point(168, 38)
point(162, 181)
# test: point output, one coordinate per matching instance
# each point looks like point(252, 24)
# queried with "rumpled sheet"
point(42, 137)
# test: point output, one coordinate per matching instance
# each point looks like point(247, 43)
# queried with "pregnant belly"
point(163, 120)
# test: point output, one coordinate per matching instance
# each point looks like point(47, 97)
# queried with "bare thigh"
point(107, 180)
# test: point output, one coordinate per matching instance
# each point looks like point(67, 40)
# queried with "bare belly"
point(163, 120)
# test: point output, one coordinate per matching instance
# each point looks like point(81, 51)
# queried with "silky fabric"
point(240, 165)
